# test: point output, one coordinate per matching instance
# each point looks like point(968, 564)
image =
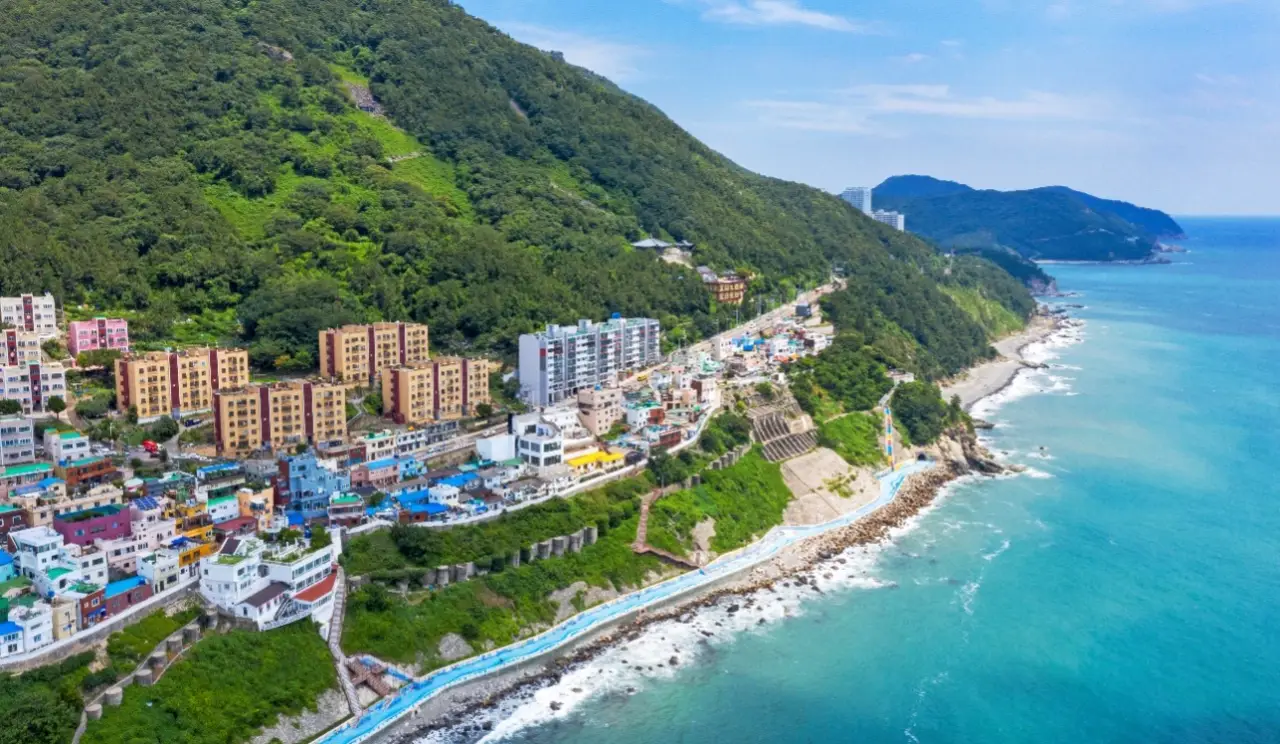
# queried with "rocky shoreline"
point(959, 455)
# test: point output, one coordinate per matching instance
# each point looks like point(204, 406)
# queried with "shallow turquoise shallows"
point(1132, 596)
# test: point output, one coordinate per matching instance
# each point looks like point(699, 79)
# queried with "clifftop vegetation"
point(205, 163)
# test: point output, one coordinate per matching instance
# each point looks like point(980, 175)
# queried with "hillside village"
point(97, 533)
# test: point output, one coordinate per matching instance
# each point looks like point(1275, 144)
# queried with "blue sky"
point(1173, 104)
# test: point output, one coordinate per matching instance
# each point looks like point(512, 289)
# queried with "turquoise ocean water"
point(1126, 590)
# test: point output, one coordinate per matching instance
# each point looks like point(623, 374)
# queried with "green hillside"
point(1052, 223)
point(207, 160)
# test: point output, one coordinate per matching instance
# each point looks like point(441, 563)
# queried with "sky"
point(1172, 104)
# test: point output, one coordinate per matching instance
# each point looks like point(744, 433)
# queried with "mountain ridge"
point(204, 167)
point(1047, 223)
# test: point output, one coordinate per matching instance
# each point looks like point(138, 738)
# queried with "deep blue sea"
point(1126, 590)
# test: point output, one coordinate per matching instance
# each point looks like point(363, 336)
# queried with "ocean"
point(1125, 588)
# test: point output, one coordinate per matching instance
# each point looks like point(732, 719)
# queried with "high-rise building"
point(859, 197)
point(36, 313)
point(896, 220)
point(18, 348)
point(442, 389)
point(558, 362)
point(279, 415)
point(178, 383)
point(33, 385)
point(358, 353)
point(99, 333)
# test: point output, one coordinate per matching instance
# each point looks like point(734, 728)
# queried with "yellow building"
point(193, 551)
point(279, 415)
point(179, 383)
point(442, 389)
point(257, 504)
point(358, 353)
point(595, 462)
point(193, 520)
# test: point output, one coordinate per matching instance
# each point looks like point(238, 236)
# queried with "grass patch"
point(224, 690)
point(854, 437)
point(128, 647)
point(43, 705)
point(498, 608)
point(745, 500)
point(996, 319)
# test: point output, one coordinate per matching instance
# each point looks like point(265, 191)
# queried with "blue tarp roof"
point(220, 467)
point(123, 585)
point(295, 519)
point(460, 480)
point(428, 508)
point(385, 462)
point(9, 628)
point(5, 558)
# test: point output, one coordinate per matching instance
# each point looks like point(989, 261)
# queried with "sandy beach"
point(990, 378)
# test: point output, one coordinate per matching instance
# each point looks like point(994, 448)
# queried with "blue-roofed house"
point(10, 639)
point(7, 570)
point(377, 473)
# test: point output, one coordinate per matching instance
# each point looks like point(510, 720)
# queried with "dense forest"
point(1053, 222)
point(203, 168)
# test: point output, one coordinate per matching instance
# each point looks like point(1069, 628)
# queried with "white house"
point(270, 583)
point(36, 622)
point(64, 446)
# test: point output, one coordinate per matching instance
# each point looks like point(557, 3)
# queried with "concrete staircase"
point(335, 644)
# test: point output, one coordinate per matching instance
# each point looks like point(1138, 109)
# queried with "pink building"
point(100, 523)
point(99, 333)
point(379, 473)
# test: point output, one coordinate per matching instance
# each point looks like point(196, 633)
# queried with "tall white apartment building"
point(36, 313)
point(860, 197)
point(560, 361)
point(17, 440)
point(33, 385)
point(20, 347)
point(896, 220)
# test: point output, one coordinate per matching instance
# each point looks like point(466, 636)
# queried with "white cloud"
point(778, 13)
point(860, 109)
point(913, 58)
point(614, 60)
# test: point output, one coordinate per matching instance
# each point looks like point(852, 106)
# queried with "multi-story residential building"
point(12, 519)
point(36, 622)
point(271, 584)
point(219, 479)
point(257, 505)
point(177, 383)
point(17, 440)
point(224, 509)
point(151, 527)
point(171, 482)
point(20, 348)
point(445, 388)
point(279, 415)
point(539, 443)
point(65, 446)
point(304, 487)
point(896, 220)
point(599, 408)
point(562, 360)
point(358, 353)
point(38, 313)
point(859, 197)
point(14, 477)
point(160, 568)
point(346, 510)
point(88, 471)
point(376, 474)
point(33, 385)
point(84, 527)
point(99, 333)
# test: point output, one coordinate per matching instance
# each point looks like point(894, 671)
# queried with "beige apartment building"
point(177, 383)
point(358, 353)
point(279, 415)
point(599, 408)
point(438, 390)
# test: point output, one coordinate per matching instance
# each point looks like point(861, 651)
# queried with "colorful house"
point(88, 471)
point(595, 462)
point(99, 333)
point(123, 594)
point(101, 523)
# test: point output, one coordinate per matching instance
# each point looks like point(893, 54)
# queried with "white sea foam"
point(1037, 474)
point(1004, 545)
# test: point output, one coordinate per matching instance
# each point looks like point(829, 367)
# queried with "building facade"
point(304, 486)
point(32, 385)
point(17, 440)
point(599, 408)
point(279, 415)
point(178, 383)
point(442, 389)
point(20, 348)
point(64, 446)
point(562, 360)
point(37, 313)
point(896, 220)
point(859, 197)
point(99, 333)
point(358, 353)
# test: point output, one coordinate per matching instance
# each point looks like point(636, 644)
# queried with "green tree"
point(9, 407)
point(56, 404)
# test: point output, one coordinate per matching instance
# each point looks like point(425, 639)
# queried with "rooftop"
point(15, 471)
point(124, 585)
point(346, 499)
point(57, 573)
point(84, 462)
point(273, 590)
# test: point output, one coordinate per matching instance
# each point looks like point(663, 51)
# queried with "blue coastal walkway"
point(390, 710)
